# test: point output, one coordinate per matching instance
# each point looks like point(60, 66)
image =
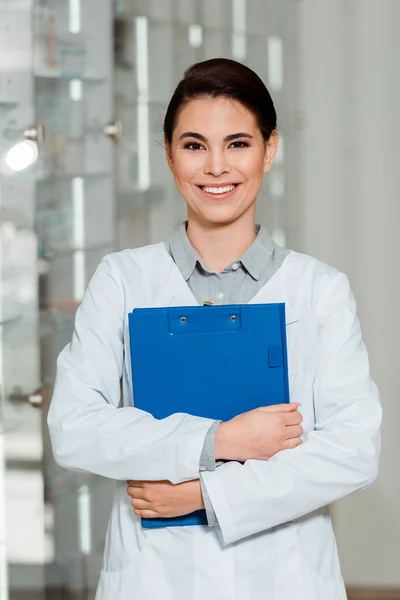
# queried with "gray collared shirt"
point(238, 283)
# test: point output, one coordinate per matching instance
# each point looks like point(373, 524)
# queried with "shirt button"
point(220, 296)
point(235, 266)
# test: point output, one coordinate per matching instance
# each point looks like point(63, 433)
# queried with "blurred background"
point(84, 86)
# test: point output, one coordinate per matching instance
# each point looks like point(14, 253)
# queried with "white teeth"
point(218, 190)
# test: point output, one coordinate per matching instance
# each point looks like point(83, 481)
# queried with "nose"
point(216, 163)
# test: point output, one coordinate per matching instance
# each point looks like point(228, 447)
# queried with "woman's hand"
point(163, 499)
point(260, 433)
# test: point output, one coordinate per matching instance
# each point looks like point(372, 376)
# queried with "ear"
point(168, 154)
point(271, 148)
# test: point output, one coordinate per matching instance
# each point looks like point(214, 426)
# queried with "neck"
point(219, 245)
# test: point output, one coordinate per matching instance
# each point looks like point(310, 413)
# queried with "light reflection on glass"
point(75, 89)
point(195, 36)
point(26, 541)
point(239, 29)
point(275, 63)
point(21, 156)
point(143, 147)
point(84, 519)
point(74, 16)
point(143, 99)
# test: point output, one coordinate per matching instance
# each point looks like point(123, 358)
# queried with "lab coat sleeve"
point(340, 456)
point(89, 432)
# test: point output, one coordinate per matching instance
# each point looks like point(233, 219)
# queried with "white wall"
point(349, 216)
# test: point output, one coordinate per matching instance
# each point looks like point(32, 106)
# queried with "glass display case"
point(57, 143)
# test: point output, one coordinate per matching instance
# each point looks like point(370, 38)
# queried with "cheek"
point(184, 168)
point(252, 166)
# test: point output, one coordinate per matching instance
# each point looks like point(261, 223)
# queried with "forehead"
point(215, 116)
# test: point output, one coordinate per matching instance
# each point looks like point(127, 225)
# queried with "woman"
point(269, 534)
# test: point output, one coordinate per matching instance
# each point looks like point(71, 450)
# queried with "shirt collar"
point(183, 253)
point(254, 260)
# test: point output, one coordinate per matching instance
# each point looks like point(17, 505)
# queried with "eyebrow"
point(228, 138)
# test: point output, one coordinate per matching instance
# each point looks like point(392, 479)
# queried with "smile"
point(221, 191)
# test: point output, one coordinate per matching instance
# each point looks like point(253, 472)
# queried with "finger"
point(135, 483)
point(292, 443)
point(293, 431)
point(135, 492)
point(294, 418)
point(274, 408)
point(140, 504)
point(146, 514)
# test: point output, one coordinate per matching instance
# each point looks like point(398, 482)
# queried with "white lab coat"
point(274, 539)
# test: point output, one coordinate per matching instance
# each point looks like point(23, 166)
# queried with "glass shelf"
point(7, 104)
point(57, 74)
point(11, 321)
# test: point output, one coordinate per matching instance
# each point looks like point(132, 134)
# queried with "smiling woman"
point(220, 136)
point(219, 163)
point(269, 533)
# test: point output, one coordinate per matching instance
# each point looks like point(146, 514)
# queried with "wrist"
point(222, 449)
point(201, 504)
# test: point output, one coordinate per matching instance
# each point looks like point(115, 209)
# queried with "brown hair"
point(223, 77)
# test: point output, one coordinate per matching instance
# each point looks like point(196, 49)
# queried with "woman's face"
point(218, 157)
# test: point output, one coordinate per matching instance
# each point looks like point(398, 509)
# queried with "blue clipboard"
point(207, 361)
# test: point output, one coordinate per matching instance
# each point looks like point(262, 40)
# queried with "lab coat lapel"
point(174, 290)
point(274, 291)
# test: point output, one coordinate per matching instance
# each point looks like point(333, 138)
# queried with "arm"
point(88, 430)
point(339, 457)
point(257, 434)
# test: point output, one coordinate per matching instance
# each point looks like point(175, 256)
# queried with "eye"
point(239, 144)
point(193, 146)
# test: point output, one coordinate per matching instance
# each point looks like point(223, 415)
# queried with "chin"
point(219, 218)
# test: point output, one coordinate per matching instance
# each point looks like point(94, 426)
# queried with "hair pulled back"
point(222, 77)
